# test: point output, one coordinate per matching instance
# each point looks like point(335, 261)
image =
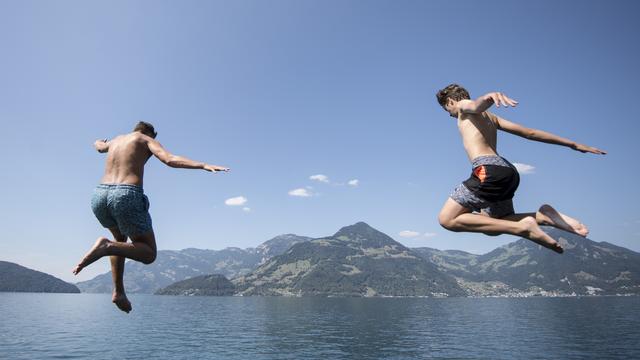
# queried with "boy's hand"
point(587, 149)
point(215, 168)
point(102, 145)
point(499, 98)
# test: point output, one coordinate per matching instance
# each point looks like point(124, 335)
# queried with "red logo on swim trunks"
point(480, 172)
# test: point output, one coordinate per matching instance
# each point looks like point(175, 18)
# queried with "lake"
point(88, 326)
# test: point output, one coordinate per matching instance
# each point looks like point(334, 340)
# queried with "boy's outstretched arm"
point(484, 102)
point(541, 136)
point(175, 161)
point(101, 145)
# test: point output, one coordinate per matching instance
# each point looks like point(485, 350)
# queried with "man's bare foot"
point(121, 301)
point(96, 252)
point(535, 234)
point(547, 215)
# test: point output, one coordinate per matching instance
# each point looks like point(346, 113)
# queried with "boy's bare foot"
point(121, 301)
point(96, 252)
point(535, 234)
point(547, 215)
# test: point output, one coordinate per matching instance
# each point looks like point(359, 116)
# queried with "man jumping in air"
point(120, 204)
point(494, 180)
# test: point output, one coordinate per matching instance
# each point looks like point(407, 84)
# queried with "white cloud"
point(429, 234)
point(408, 233)
point(236, 201)
point(524, 168)
point(301, 192)
point(320, 178)
point(246, 209)
point(354, 182)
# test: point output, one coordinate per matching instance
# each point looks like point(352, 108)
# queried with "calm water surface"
point(88, 326)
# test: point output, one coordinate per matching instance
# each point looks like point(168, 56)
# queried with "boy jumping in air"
point(494, 180)
point(121, 206)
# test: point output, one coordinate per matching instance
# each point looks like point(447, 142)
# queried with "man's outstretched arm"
point(175, 161)
point(101, 145)
point(541, 136)
point(484, 102)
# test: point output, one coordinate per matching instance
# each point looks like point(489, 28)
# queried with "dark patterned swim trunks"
point(491, 187)
point(123, 206)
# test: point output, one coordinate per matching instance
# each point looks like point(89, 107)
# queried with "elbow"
point(531, 134)
point(172, 161)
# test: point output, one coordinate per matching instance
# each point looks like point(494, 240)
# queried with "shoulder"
point(465, 102)
point(465, 106)
point(473, 117)
point(115, 140)
point(140, 137)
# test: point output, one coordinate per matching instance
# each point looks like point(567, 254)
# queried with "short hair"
point(453, 91)
point(146, 128)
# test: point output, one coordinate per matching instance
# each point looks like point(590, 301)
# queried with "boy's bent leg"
point(119, 297)
point(456, 217)
point(142, 248)
point(148, 240)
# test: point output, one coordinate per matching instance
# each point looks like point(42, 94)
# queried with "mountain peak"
point(360, 228)
point(362, 233)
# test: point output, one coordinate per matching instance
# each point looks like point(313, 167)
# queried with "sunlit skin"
point(478, 129)
point(126, 157)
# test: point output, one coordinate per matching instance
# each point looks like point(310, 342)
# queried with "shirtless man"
point(494, 180)
point(120, 205)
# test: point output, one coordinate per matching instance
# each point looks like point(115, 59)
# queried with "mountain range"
point(175, 265)
point(356, 261)
point(586, 268)
point(361, 261)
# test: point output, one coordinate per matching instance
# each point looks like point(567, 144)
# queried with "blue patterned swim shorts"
point(123, 206)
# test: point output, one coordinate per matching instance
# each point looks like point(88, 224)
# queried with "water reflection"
point(88, 326)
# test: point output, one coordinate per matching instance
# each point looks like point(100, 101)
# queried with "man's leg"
point(119, 296)
point(547, 215)
point(456, 217)
point(142, 248)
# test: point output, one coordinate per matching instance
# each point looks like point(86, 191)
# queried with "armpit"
point(493, 118)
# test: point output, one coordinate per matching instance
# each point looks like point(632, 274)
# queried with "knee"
point(151, 257)
point(447, 222)
point(545, 207)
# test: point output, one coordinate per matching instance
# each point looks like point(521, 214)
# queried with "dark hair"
point(146, 128)
point(453, 91)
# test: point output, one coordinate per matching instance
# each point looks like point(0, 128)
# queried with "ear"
point(451, 102)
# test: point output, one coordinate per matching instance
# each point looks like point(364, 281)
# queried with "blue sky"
point(283, 90)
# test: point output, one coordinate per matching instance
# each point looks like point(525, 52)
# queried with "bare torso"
point(479, 134)
point(126, 159)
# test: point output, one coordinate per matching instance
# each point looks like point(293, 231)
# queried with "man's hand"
point(101, 145)
point(587, 149)
point(500, 98)
point(215, 168)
